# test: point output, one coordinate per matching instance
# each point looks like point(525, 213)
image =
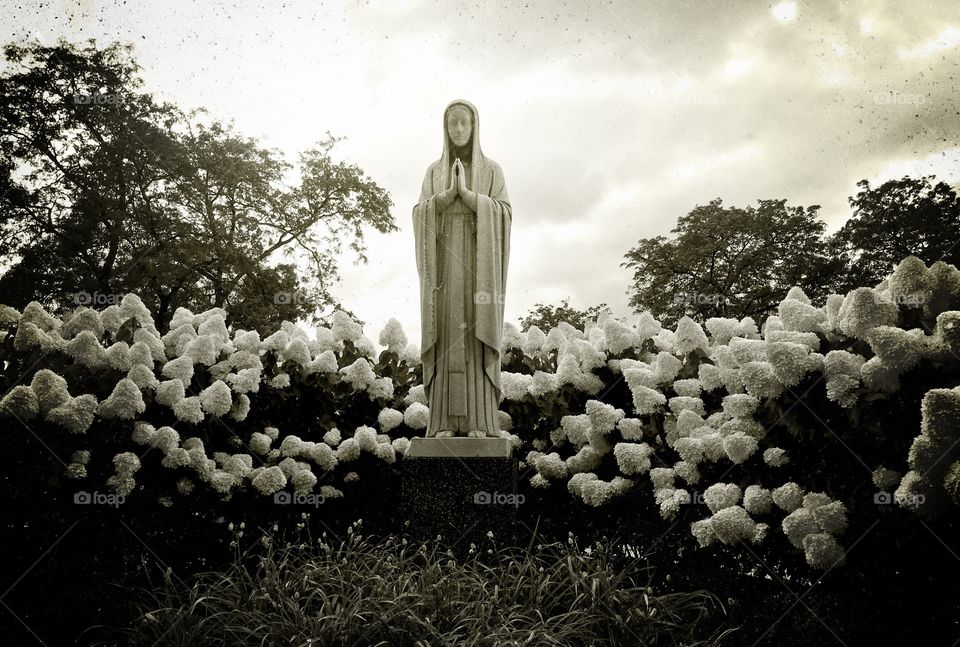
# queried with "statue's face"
point(459, 125)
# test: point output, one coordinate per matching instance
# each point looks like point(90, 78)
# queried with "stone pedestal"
point(459, 488)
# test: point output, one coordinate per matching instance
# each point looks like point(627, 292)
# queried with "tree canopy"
point(104, 191)
point(899, 218)
point(730, 262)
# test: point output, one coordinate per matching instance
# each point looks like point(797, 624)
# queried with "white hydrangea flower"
point(125, 402)
point(85, 349)
point(661, 477)
point(710, 377)
point(366, 438)
point(722, 495)
point(740, 405)
point(176, 457)
point(126, 463)
point(822, 551)
point(585, 460)
point(321, 454)
point(216, 399)
point(733, 524)
point(417, 416)
point(911, 282)
point(788, 496)
point(349, 450)
point(304, 481)
point(297, 351)
point(690, 449)
point(897, 348)
point(392, 336)
point(722, 330)
point(188, 410)
point(703, 532)
point(169, 392)
point(401, 445)
point(687, 471)
point(270, 480)
point(690, 337)
point(603, 417)
point(666, 367)
point(345, 328)
point(415, 394)
point(202, 350)
point(743, 351)
point(886, 479)
point(689, 388)
point(577, 481)
point(631, 428)
point(757, 500)
point(775, 457)
point(645, 399)
point(798, 524)
point(185, 486)
point(515, 385)
point(739, 447)
point(382, 388)
point(760, 380)
point(682, 403)
point(633, 458)
point(542, 384)
point(879, 376)
point(280, 381)
point(325, 362)
point(550, 466)
point(246, 380)
point(259, 443)
point(800, 316)
point(388, 419)
point(179, 369)
point(359, 375)
point(619, 337)
point(333, 437)
point(864, 309)
point(789, 361)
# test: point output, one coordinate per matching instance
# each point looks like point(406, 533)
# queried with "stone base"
point(459, 488)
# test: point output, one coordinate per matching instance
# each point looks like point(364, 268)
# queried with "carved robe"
point(462, 261)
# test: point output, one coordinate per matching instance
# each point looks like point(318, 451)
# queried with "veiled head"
point(459, 125)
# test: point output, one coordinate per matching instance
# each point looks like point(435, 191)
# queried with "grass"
point(390, 591)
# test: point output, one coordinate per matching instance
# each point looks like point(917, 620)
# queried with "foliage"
point(109, 191)
point(546, 317)
point(898, 218)
point(730, 262)
point(364, 590)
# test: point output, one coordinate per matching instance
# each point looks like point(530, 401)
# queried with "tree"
point(899, 218)
point(546, 317)
point(731, 262)
point(109, 192)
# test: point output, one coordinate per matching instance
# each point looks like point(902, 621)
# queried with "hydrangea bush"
point(766, 437)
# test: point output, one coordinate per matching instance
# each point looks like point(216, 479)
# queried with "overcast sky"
point(609, 119)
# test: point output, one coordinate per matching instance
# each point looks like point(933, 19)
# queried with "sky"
point(610, 120)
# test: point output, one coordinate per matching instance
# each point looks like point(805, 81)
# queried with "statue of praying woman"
point(462, 232)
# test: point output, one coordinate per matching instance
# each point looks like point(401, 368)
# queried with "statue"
point(462, 232)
